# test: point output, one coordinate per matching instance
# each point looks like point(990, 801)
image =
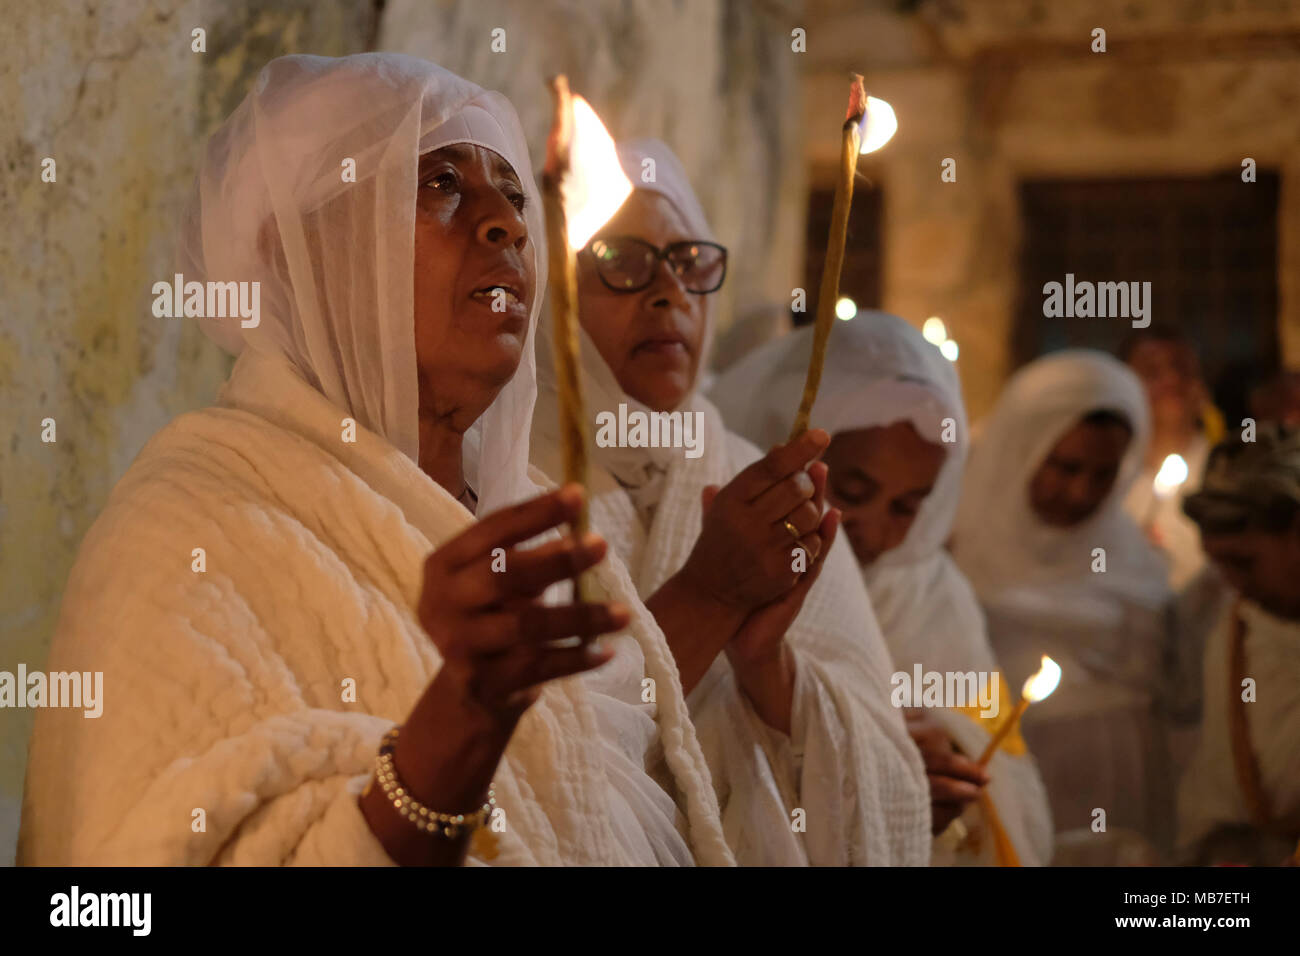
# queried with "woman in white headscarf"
point(776, 662)
point(259, 592)
point(893, 406)
point(1061, 570)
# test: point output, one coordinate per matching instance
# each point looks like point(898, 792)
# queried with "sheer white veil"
point(1013, 558)
point(334, 257)
point(879, 370)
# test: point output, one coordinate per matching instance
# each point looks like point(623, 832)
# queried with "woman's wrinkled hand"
point(496, 638)
point(955, 780)
point(744, 556)
point(760, 657)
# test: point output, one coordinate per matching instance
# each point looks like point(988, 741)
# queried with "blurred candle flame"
point(877, 126)
point(1040, 685)
point(1170, 477)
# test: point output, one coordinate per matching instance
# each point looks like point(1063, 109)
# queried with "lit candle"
point(1170, 477)
point(1038, 687)
point(869, 125)
point(582, 187)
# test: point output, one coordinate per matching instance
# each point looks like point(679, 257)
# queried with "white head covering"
point(334, 258)
point(1009, 554)
point(639, 470)
point(879, 370)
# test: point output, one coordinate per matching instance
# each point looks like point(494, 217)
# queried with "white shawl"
point(849, 763)
point(228, 733)
point(225, 689)
point(1210, 796)
point(1097, 739)
point(879, 370)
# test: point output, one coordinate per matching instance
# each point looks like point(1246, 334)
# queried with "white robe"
point(223, 688)
point(1210, 797)
point(930, 616)
point(1100, 739)
point(848, 763)
point(879, 371)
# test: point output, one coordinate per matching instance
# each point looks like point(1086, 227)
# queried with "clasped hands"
point(744, 577)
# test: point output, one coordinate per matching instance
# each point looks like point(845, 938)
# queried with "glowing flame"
point(595, 185)
point(1041, 685)
point(934, 331)
point(1172, 473)
point(948, 349)
point(846, 308)
point(878, 125)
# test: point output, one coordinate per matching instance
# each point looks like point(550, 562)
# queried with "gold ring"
point(789, 526)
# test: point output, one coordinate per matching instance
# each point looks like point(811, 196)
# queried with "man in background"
point(1240, 800)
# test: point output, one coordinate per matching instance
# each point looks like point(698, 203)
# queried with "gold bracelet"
point(449, 825)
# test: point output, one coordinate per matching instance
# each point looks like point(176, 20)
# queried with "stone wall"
point(714, 79)
point(115, 94)
point(117, 97)
point(1012, 90)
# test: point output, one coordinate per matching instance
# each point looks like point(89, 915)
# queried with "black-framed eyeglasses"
point(628, 264)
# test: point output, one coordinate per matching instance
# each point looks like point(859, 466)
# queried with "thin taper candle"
point(562, 272)
point(850, 143)
point(1003, 730)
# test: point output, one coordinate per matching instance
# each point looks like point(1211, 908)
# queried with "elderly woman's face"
point(879, 477)
point(651, 339)
point(1078, 473)
point(474, 279)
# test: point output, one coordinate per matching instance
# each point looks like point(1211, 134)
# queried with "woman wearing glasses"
point(772, 631)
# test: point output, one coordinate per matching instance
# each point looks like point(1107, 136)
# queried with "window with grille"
point(860, 279)
point(1208, 246)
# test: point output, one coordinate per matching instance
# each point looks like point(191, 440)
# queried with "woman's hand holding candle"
point(497, 642)
point(743, 558)
point(955, 780)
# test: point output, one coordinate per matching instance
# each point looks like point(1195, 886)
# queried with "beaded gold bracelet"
point(449, 825)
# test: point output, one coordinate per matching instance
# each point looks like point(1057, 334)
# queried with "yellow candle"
point(850, 144)
point(1037, 687)
point(581, 161)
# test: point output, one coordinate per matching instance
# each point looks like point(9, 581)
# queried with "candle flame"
point(1041, 684)
point(594, 185)
point(877, 126)
point(1172, 473)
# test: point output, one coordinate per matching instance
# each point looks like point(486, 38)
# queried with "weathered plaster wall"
point(115, 95)
point(1011, 90)
point(715, 79)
